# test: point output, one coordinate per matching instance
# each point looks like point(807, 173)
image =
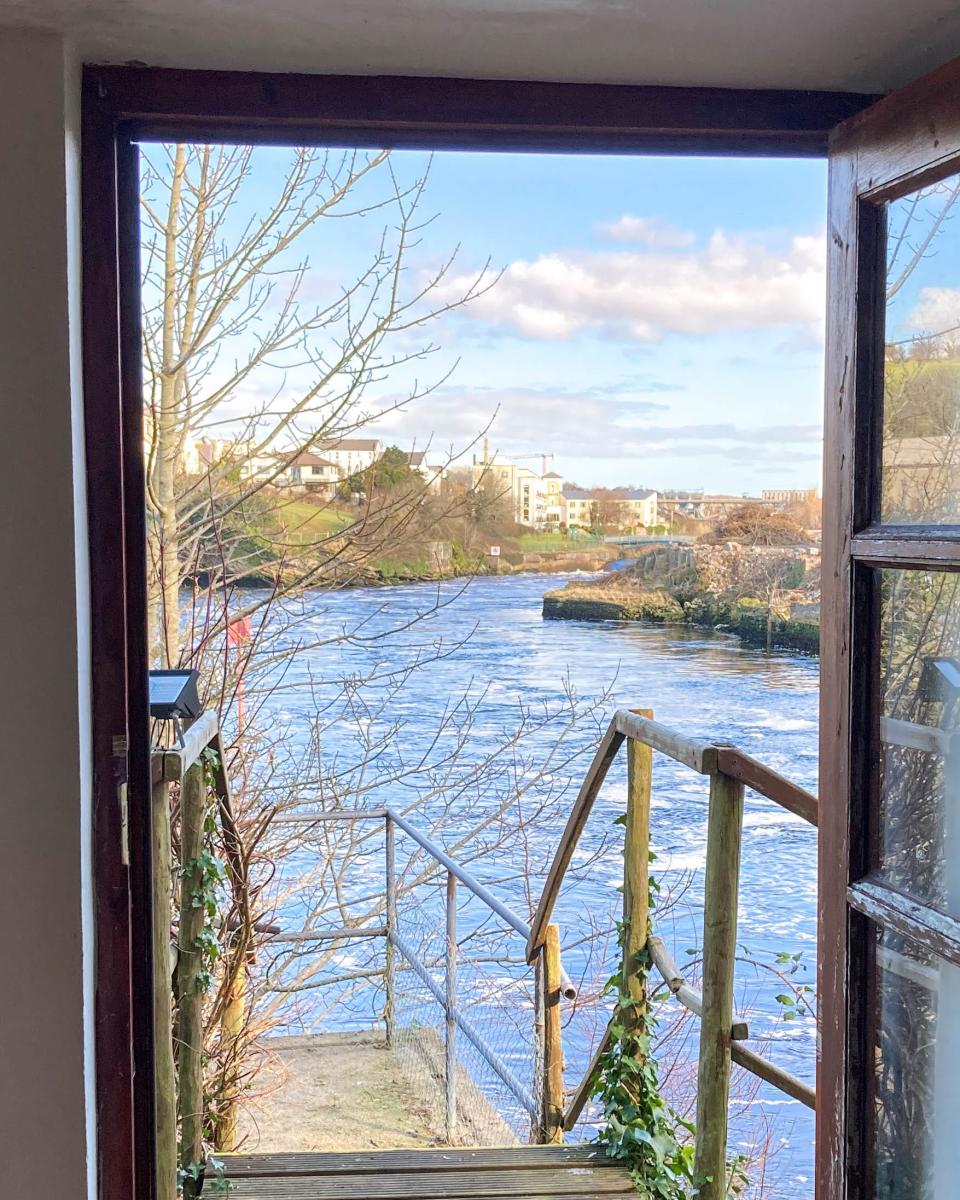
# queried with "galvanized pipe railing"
point(450, 1007)
point(394, 818)
point(552, 979)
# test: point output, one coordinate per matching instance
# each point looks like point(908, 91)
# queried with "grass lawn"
point(307, 522)
point(547, 543)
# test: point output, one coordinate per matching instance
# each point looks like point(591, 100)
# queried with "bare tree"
point(236, 345)
point(244, 360)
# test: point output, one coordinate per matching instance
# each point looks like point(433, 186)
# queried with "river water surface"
point(490, 639)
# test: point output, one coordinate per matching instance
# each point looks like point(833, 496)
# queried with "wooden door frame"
point(122, 105)
point(903, 142)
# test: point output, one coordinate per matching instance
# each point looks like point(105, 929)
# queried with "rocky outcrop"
point(581, 602)
point(765, 595)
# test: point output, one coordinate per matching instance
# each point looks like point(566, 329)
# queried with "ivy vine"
point(208, 875)
point(198, 1173)
point(640, 1128)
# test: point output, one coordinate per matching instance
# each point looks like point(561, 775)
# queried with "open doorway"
point(400, 408)
point(896, 150)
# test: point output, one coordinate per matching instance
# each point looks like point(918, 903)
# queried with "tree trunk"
point(165, 529)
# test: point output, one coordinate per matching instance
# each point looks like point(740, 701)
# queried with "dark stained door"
point(889, 1077)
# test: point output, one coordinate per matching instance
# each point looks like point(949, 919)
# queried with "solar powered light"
point(174, 697)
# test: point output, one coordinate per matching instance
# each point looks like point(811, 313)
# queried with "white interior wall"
point(46, 1123)
point(855, 45)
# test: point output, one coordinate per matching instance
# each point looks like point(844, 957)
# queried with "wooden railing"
point(553, 1112)
point(178, 1060)
point(721, 1032)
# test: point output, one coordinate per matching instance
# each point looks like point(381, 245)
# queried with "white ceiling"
point(856, 45)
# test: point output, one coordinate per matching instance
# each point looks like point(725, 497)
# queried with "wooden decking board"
point(434, 1185)
point(524, 1173)
point(540, 1195)
point(357, 1161)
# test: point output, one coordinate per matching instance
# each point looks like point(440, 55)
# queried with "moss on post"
point(189, 971)
point(636, 869)
point(165, 1077)
point(719, 955)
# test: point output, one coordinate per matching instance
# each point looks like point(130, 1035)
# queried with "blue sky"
point(657, 322)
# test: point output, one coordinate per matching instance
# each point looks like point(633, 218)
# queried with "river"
point(489, 639)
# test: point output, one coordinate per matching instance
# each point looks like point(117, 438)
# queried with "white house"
point(316, 474)
point(537, 499)
point(639, 508)
point(433, 473)
point(527, 498)
point(351, 455)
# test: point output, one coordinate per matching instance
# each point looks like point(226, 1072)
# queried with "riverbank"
point(437, 567)
point(740, 590)
point(545, 563)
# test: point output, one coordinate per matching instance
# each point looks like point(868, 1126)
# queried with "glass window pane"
point(921, 377)
point(918, 830)
point(915, 1151)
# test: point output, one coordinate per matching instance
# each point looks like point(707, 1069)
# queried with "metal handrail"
point(523, 1094)
point(445, 996)
point(437, 852)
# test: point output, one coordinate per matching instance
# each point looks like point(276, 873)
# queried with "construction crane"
point(544, 459)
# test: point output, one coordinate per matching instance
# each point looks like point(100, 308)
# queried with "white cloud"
point(593, 423)
point(649, 231)
point(733, 283)
point(937, 309)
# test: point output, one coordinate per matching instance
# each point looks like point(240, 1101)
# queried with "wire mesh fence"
point(465, 1013)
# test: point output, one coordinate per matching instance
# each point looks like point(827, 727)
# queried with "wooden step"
point(520, 1173)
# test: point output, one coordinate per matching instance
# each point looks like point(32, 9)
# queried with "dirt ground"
point(334, 1092)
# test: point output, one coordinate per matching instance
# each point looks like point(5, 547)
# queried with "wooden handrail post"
point(552, 1044)
point(390, 873)
point(636, 868)
point(538, 1124)
point(451, 1008)
point(721, 885)
point(231, 1026)
point(165, 1080)
point(190, 1023)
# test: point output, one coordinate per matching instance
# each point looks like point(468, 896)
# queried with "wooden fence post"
point(636, 868)
point(721, 886)
point(231, 1027)
point(552, 1044)
point(165, 1074)
point(189, 965)
point(538, 1123)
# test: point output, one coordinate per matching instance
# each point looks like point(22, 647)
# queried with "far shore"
point(768, 596)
